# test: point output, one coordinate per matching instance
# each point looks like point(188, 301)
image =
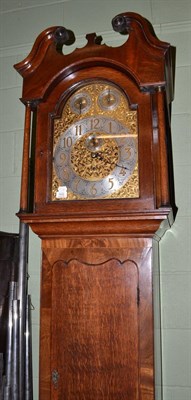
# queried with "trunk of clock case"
point(97, 331)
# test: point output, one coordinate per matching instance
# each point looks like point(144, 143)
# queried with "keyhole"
point(55, 378)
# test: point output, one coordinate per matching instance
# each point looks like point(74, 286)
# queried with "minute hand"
point(115, 135)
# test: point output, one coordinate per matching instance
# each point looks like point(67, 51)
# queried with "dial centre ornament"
point(94, 142)
point(89, 163)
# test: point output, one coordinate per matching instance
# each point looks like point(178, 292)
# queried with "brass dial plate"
point(95, 146)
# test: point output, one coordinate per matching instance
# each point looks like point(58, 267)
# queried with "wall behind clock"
point(20, 23)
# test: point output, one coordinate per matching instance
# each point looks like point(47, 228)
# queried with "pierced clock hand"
point(122, 166)
point(80, 107)
point(109, 97)
point(80, 104)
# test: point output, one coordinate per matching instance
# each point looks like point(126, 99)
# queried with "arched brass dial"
point(96, 152)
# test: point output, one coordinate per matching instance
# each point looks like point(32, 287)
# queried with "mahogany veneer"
point(97, 297)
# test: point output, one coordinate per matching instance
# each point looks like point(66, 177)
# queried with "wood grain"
point(95, 322)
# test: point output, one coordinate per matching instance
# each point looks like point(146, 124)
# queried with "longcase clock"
point(99, 193)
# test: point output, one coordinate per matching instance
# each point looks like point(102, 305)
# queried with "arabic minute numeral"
point(65, 175)
point(110, 127)
point(123, 171)
point(62, 157)
point(111, 182)
point(128, 152)
point(93, 190)
point(78, 130)
point(76, 183)
point(67, 142)
point(94, 123)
